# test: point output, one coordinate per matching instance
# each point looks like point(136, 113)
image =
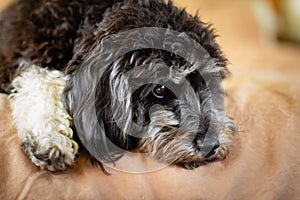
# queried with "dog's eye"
point(159, 91)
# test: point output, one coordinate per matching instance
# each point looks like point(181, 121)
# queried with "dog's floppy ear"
point(86, 97)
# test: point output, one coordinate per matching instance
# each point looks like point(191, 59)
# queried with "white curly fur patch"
point(43, 123)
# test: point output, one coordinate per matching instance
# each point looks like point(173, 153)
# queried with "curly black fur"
point(53, 33)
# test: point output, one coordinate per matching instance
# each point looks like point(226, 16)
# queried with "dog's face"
point(151, 90)
point(150, 100)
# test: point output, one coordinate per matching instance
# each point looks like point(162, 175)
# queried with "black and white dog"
point(132, 75)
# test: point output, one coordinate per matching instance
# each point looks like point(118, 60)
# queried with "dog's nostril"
point(214, 145)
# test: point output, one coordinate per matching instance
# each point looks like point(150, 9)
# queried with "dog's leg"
point(43, 123)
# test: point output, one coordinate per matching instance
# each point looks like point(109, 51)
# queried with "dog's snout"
point(214, 145)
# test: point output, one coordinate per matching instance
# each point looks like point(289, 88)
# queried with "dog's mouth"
point(185, 155)
point(188, 149)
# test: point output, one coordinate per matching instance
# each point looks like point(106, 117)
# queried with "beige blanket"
point(264, 162)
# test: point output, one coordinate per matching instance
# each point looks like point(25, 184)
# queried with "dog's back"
point(44, 32)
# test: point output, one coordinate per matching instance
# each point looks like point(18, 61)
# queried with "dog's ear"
point(86, 97)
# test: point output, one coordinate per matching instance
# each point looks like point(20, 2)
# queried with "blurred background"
point(259, 37)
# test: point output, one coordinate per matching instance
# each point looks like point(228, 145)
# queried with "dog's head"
point(150, 89)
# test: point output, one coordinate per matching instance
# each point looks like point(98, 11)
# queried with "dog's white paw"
point(43, 123)
point(53, 153)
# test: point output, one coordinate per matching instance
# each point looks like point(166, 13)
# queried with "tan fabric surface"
point(264, 163)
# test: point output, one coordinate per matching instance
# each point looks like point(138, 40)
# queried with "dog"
point(139, 76)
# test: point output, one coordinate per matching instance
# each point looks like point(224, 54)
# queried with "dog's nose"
point(213, 147)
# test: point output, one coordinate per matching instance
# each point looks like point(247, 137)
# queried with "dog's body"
point(40, 40)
